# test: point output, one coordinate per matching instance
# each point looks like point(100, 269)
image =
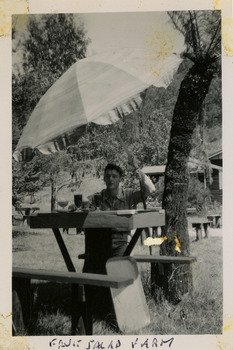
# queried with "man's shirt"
point(125, 199)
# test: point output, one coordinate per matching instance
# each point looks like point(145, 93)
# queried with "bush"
point(198, 196)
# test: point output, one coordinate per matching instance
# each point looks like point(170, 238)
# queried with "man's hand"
point(147, 184)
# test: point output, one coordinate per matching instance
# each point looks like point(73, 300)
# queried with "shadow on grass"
point(50, 312)
point(50, 297)
point(24, 233)
point(52, 308)
point(47, 308)
point(20, 249)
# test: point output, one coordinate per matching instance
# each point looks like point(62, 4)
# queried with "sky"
point(149, 30)
point(127, 29)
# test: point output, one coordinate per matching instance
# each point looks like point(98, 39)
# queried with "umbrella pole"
point(122, 142)
point(145, 207)
point(130, 157)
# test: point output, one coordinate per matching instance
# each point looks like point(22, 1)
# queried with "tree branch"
point(213, 38)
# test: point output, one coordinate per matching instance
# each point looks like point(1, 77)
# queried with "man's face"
point(112, 179)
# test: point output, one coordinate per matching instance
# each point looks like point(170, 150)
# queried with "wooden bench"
point(158, 268)
point(198, 225)
point(90, 279)
point(159, 259)
point(120, 283)
point(162, 259)
point(80, 311)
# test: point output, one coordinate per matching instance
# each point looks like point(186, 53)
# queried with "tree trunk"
point(192, 93)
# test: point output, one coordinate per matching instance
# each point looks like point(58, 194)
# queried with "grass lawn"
point(200, 311)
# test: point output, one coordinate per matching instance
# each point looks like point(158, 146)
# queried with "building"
point(196, 169)
point(216, 185)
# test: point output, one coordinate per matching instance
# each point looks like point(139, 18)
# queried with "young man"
point(106, 243)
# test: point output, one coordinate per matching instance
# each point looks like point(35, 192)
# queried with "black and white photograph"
point(117, 178)
point(117, 173)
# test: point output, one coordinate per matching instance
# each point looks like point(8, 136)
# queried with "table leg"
point(155, 232)
point(81, 318)
point(198, 231)
point(26, 216)
point(206, 229)
point(64, 251)
point(133, 242)
point(218, 225)
point(80, 311)
point(214, 221)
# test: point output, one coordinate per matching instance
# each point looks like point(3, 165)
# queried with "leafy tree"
point(202, 32)
point(198, 195)
point(48, 46)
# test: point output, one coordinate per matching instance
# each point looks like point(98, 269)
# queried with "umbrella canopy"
point(98, 89)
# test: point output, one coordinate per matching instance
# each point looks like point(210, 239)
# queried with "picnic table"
point(120, 219)
point(200, 224)
point(215, 220)
point(125, 220)
point(26, 211)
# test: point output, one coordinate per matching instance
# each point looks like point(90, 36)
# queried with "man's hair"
point(114, 167)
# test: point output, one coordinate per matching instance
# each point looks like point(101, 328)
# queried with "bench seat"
point(165, 259)
point(73, 277)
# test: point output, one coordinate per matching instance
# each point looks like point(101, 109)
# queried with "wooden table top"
point(123, 220)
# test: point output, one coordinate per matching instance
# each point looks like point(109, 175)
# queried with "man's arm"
point(146, 184)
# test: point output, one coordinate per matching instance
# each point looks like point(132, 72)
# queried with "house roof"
point(160, 169)
point(216, 155)
point(154, 170)
point(193, 163)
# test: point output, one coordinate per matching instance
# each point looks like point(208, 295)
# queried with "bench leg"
point(17, 315)
point(21, 305)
